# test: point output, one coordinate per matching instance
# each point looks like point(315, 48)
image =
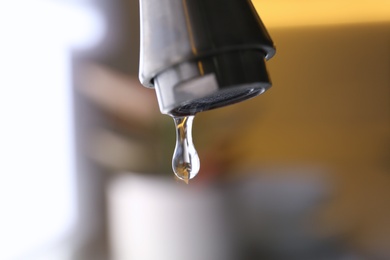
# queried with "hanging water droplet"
point(185, 161)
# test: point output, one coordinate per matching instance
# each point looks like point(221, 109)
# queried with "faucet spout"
point(202, 54)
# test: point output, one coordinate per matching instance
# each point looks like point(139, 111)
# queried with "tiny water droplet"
point(185, 161)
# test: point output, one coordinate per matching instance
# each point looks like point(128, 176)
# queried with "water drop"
point(185, 161)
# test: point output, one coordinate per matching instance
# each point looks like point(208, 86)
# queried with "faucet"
point(202, 54)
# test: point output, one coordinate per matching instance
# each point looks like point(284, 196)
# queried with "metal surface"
point(202, 54)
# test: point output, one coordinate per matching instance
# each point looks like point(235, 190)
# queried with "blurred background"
point(300, 172)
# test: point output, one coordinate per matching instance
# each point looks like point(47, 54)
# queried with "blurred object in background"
point(268, 215)
point(155, 218)
point(38, 195)
point(132, 113)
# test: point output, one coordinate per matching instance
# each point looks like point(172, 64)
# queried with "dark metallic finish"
point(202, 54)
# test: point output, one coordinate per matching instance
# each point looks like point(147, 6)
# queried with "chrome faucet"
point(202, 54)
